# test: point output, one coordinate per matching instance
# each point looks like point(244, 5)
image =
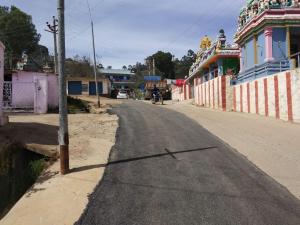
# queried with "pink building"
point(31, 91)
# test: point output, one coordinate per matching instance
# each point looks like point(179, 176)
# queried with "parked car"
point(122, 95)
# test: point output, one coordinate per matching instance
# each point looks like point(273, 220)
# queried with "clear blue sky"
point(127, 31)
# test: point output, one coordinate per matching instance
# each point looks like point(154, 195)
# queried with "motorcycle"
point(157, 98)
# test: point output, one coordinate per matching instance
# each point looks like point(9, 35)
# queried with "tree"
point(164, 63)
point(183, 66)
point(79, 67)
point(17, 32)
point(124, 67)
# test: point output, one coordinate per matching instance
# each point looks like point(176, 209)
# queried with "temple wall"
point(177, 93)
point(215, 93)
point(249, 53)
point(279, 43)
point(275, 96)
point(261, 43)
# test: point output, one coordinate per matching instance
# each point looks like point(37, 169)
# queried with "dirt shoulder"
point(56, 199)
point(272, 145)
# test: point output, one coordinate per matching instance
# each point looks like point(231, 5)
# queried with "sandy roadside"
point(272, 145)
point(56, 199)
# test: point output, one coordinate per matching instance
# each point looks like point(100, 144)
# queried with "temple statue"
point(205, 43)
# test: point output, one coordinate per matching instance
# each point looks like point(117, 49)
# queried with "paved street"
point(167, 170)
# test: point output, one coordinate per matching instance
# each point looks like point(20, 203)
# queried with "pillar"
point(255, 49)
point(288, 41)
point(241, 60)
point(3, 120)
point(269, 44)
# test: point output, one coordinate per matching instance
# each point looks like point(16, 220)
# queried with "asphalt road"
point(165, 169)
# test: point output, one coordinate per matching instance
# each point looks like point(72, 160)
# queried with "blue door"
point(92, 88)
point(74, 88)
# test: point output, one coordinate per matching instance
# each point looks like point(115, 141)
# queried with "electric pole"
point(63, 134)
point(53, 30)
point(153, 66)
point(95, 66)
point(94, 53)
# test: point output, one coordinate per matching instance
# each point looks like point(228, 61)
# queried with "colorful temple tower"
point(215, 59)
point(216, 64)
point(269, 38)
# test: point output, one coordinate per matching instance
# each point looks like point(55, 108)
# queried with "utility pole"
point(95, 66)
point(53, 30)
point(94, 52)
point(63, 134)
point(153, 66)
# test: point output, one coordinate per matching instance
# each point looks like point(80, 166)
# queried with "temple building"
point(269, 38)
point(215, 59)
point(209, 77)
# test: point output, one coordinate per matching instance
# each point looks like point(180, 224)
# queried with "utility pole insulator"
point(53, 29)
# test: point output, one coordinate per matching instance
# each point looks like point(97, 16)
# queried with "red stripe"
point(256, 97)
point(223, 86)
point(205, 93)
point(209, 93)
point(289, 96)
point(248, 97)
point(241, 97)
point(213, 90)
point(276, 97)
point(266, 97)
point(201, 94)
point(234, 99)
point(218, 92)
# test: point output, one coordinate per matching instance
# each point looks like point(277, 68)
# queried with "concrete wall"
point(177, 93)
point(34, 90)
point(216, 93)
point(275, 96)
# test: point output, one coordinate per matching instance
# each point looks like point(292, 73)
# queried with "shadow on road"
point(168, 152)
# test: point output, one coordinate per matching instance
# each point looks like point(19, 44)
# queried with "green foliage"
point(76, 105)
point(35, 168)
point(164, 63)
point(17, 32)
point(79, 67)
point(183, 66)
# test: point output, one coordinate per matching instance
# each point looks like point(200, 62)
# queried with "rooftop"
point(256, 8)
point(116, 72)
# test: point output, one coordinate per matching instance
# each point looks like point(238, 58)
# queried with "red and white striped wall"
point(273, 96)
point(214, 94)
point(178, 93)
point(181, 93)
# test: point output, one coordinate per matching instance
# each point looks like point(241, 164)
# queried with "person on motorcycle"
point(155, 91)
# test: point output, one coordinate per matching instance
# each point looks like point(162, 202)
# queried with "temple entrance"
point(295, 45)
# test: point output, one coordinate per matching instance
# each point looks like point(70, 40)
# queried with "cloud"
point(128, 31)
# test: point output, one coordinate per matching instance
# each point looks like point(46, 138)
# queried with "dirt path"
point(56, 199)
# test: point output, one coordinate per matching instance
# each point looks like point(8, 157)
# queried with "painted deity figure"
point(205, 43)
point(284, 3)
point(274, 3)
point(295, 3)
